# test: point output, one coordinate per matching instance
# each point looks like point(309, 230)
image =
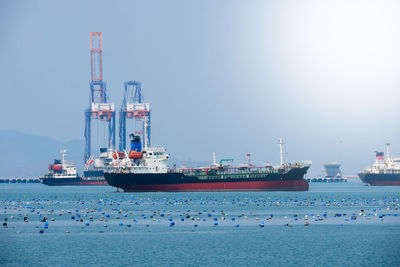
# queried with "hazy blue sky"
point(225, 76)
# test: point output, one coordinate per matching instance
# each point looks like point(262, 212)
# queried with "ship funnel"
point(136, 144)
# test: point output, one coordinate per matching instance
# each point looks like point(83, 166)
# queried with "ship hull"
point(72, 181)
point(179, 182)
point(380, 179)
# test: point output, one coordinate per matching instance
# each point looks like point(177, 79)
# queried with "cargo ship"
point(384, 171)
point(146, 170)
point(63, 173)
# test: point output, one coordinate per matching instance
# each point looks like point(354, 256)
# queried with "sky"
point(226, 76)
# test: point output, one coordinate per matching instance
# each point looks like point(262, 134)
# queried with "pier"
point(19, 180)
point(327, 180)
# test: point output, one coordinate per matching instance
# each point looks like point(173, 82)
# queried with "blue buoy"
point(195, 225)
point(215, 224)
point(237, 225)
point(105, 225)
point(171, 224)
point(121, 223)
point(41, 231)
point(87, 224)
point(261, 224)
point(73, 217)
point(128, 225)
point(215, 219)
point(182, 219)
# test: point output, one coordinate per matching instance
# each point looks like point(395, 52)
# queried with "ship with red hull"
point(147, 171)
point(384, 171)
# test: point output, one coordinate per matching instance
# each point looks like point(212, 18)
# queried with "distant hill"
point(26, 155)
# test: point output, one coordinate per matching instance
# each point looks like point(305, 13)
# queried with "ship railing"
point(230, 170)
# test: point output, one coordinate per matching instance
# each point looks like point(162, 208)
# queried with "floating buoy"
point(87, 224)
point(171, 224)
point(41, 231)
point(215, 224)
point(121, 223)
point(261, 224)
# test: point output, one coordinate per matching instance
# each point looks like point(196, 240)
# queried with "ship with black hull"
point(147, 171)
point(384, 171)
point(63, 173)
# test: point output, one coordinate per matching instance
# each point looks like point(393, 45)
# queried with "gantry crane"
point(134, 108)
point(99, 107)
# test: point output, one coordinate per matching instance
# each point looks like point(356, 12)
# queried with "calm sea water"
point(344, 224)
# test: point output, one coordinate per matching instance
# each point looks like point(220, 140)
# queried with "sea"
point(335, 224)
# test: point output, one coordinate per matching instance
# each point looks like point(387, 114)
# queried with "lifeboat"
point(135, 155)
point(57, 167)
point(118, 155)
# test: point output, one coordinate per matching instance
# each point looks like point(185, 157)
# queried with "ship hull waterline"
point(71, 181)
point(380, 179)
point(178, 182)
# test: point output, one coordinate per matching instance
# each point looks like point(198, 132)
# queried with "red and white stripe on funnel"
point(380, 156)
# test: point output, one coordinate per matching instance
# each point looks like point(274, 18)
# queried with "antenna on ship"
point(281, 149)
point(248, 159)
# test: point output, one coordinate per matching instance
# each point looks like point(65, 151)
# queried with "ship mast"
point(281, 150)
point(214, 159)
point(63, 157)
point(387, 151)
point(145, 134)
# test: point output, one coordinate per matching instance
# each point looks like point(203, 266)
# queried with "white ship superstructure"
point(382, 165)
point(62, 169)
